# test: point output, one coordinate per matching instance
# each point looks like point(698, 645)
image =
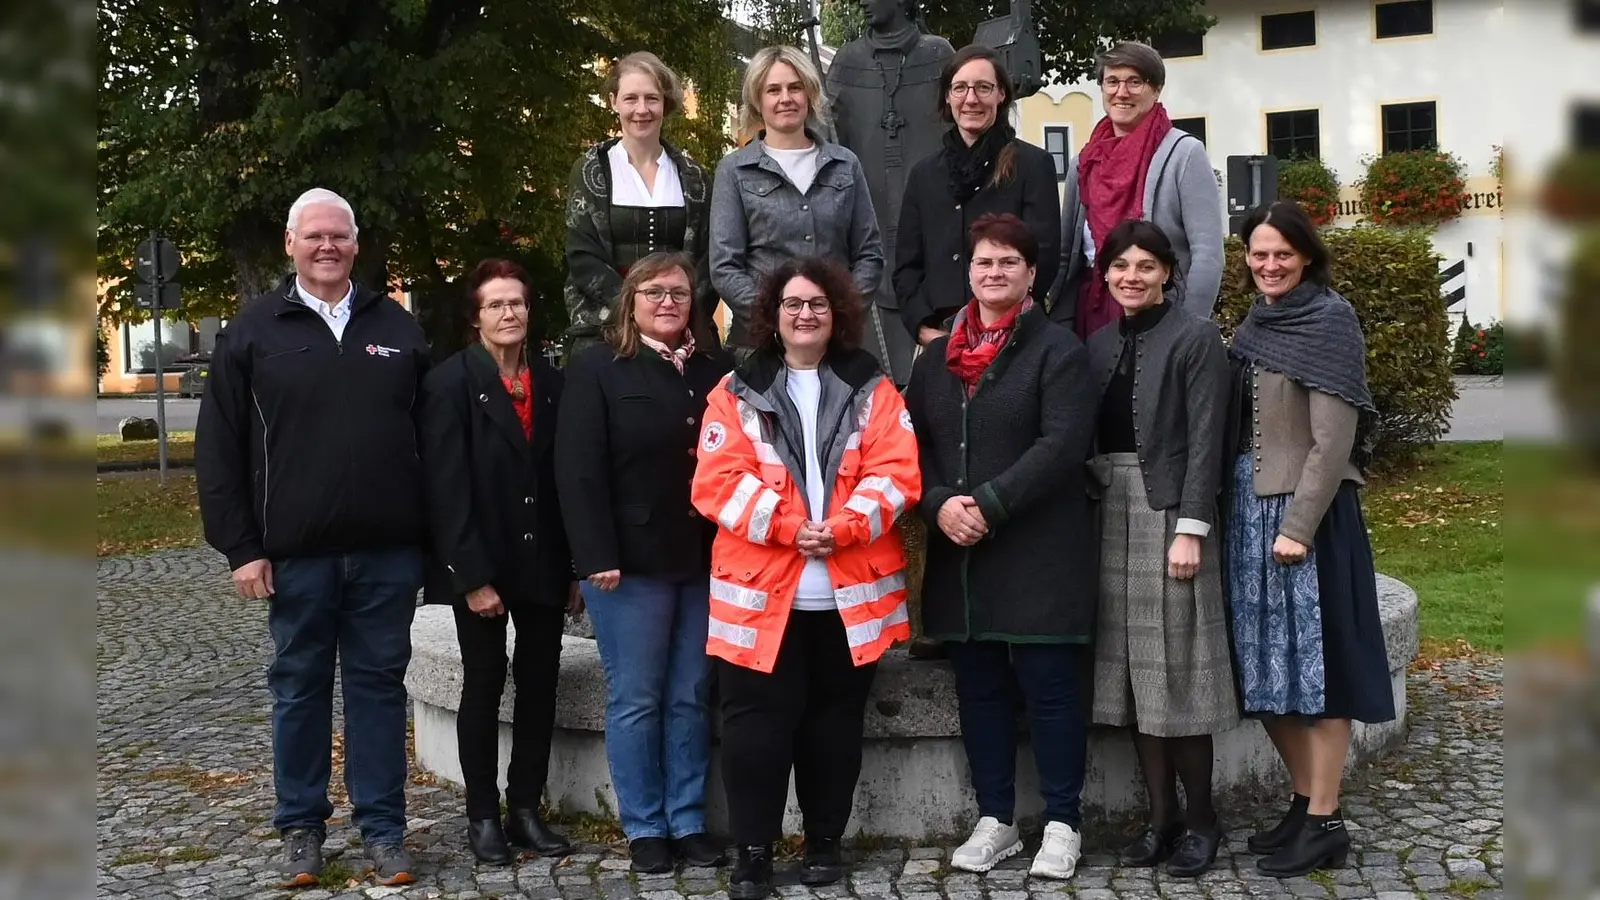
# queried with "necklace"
point(892, 121)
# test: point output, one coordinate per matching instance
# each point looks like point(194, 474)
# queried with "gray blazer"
point(1181, 196)
point(1301, 439)
point(1180, 399)
point(759, 220)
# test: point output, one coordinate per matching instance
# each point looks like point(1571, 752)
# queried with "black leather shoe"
point(1264, 842)
point(700, 850)
point(823, 862)
point(1194, 853)
point(1151, 846)
point(488, 841)
point(651, 856)
point(1321, 843)
point(751, 878)
point(526, 828)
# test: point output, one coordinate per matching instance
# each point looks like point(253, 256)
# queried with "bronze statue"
point(884, 88)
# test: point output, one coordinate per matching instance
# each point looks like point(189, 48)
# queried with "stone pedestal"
point(914, 782)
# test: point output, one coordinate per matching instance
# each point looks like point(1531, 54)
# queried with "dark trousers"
point(353, 610)
point(988, 674)
point(808, 715)
point(535, 664)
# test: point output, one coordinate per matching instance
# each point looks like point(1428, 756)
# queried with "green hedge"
point(1391, 276)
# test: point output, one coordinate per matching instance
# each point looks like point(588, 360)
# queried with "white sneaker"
point(991, 842)
point(1058, 854)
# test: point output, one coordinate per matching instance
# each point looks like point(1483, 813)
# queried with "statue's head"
point(886, 13)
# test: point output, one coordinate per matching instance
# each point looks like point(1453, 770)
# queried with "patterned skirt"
point(1307, 638)
point(1161, 661)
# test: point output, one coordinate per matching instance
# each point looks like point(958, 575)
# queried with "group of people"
point(1128, 523)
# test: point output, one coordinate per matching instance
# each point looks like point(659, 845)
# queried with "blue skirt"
point(1308, 639)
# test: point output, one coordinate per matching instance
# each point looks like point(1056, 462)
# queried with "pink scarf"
point(678, 357)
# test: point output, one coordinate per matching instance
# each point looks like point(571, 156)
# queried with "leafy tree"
point(450, 125)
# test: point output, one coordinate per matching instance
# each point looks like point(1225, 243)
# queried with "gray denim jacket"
point(759, 220)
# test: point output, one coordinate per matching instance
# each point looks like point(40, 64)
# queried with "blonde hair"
point(622, 332)
point(648, 63)
point(755, 78)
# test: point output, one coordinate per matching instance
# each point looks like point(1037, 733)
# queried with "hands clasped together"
point(962, 521)
point(815, 540)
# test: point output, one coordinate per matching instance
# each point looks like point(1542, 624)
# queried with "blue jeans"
point(1048, 675)
point(354, 609)
point(652, 639)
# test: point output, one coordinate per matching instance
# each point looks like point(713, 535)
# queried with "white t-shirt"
point(799, 165)
point(816, 585)
point(628, 187)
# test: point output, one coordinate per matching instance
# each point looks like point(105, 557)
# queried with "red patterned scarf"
point(973, 347)
point(1112, 172)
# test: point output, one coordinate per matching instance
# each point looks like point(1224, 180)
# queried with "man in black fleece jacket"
point(310, 484)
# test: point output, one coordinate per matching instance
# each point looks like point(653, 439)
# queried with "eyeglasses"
point(661, 295)
point(984, 89)
point(317, 239)
point(1134, 84)
point(819, 306)
point(499, 307)
point(1006, 263)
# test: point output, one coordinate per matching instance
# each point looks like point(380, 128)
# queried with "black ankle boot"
point(488, 841)
point(525, 827)
point(1321, 843)
point(1274, 838)
point(823, 862)
point(751, 878)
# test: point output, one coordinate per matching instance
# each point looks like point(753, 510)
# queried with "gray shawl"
point(1312, 336)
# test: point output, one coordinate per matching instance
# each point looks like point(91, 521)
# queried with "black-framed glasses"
point(819, 306)
point(984, 89)
point(659, 295)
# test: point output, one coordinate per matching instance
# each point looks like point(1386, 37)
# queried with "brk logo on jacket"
point(380, 350)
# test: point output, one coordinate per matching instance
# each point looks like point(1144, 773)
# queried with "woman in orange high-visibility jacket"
point(806, 460)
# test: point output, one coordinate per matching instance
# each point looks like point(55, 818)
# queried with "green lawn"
point(135, 514)
point(111, 448)
point(1436, 525)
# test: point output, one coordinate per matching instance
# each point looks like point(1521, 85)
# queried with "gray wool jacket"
point(759, 220)
point(1180, 401)
point(1182, 197)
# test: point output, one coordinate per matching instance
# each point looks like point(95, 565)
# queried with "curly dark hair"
point(837, 285)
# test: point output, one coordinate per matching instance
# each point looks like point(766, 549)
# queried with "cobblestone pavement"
point(185, 789)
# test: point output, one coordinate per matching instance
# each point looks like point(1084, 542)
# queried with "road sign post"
point(156, 262)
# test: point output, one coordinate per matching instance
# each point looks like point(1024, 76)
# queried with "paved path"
point(185, 788)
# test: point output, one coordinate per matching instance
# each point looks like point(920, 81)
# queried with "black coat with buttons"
point(1017, 446)
point(930, 265)
point(625, 451)
point(493, 513)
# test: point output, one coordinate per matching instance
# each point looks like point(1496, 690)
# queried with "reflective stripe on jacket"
point(751, 480)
